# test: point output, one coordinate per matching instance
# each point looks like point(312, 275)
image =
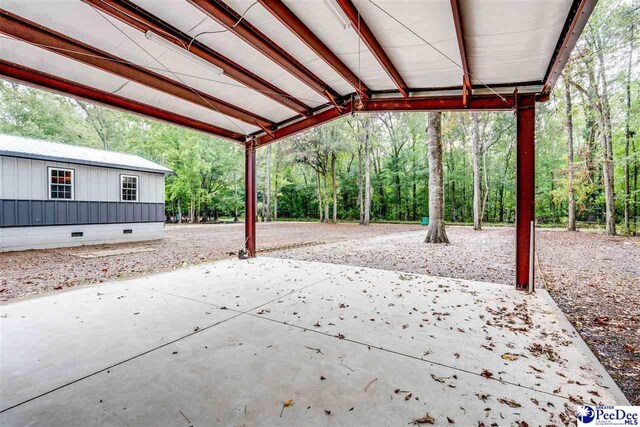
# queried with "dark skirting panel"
point(30, 213)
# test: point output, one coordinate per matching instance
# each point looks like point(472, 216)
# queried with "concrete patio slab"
point(263, 349)
point(241, 286)
point(47, 342)
point(473, 326)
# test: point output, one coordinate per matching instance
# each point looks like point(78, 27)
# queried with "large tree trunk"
point(326, 193)
point(360, 185)
point(571, 226)
point(436, 233)
point(319, 196)
point(627, 175)
point(267, 184)
point(334, 187)
point(414, 185)
point(275, 200)
point(367, 180)
point(606, 137)
point(477, 192)
point(235, 200)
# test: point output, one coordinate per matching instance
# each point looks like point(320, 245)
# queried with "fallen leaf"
point(483, 396)
point(408, 396)
point(510, 402)
point(509, 356)
point(486, 373)
point(287, 402)
point(427, 419)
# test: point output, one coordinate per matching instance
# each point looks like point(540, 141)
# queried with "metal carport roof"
point(244, 69)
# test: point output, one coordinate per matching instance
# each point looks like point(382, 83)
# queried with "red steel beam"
point(365, 33)
point(457, 21)
point(56, 84)
point(289, 19)
point(448, 103)
point(250, 201)
point(30, 32)
point(138, 18)
point(576, 21)
point(233, 22)
point(525, 189)
point(304, 124)
point(445, 103)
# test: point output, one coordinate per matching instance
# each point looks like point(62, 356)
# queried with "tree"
point(571, 225)
point(267, 184)
point(627, 163)
point(477, 153)
point(436, 233)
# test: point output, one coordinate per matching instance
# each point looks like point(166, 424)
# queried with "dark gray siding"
point(22, 213)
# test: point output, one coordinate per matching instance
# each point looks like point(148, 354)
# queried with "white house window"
point(60, 184)
point(128, 188)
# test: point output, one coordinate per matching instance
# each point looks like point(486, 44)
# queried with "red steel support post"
point(250, 198)
point(525, 189)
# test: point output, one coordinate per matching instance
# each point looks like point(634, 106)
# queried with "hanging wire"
point(222, 31)
point(434, 48)
point(231, 122)
point(234, 124)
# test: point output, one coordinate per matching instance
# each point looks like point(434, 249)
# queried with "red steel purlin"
point(525, 188)
point(289, 19)
point(228, 18)
point(30, 32)
point(39, 79)
point(144, 21)
point(365, 33)
point(457, 21)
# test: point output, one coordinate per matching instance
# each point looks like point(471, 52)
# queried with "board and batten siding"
point(27, 179)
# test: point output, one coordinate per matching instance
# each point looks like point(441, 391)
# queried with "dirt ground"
point(32, 272)
point(593, 278)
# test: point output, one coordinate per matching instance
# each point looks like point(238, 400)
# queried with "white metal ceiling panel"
point(511, 41)
point(189, 19)
point(419, 64)
point(48, 62)
point(109, 34)
point(329, 25)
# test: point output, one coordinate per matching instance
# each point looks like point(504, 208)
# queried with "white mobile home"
point(54, 195)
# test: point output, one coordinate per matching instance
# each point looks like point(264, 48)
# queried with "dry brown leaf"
point(510, 402)
point(427, 419)
point(486, 373)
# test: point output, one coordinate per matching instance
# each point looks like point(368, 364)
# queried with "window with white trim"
point(61, 184)
point(128, 188)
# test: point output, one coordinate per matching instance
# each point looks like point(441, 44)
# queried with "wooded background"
point(587, 150)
